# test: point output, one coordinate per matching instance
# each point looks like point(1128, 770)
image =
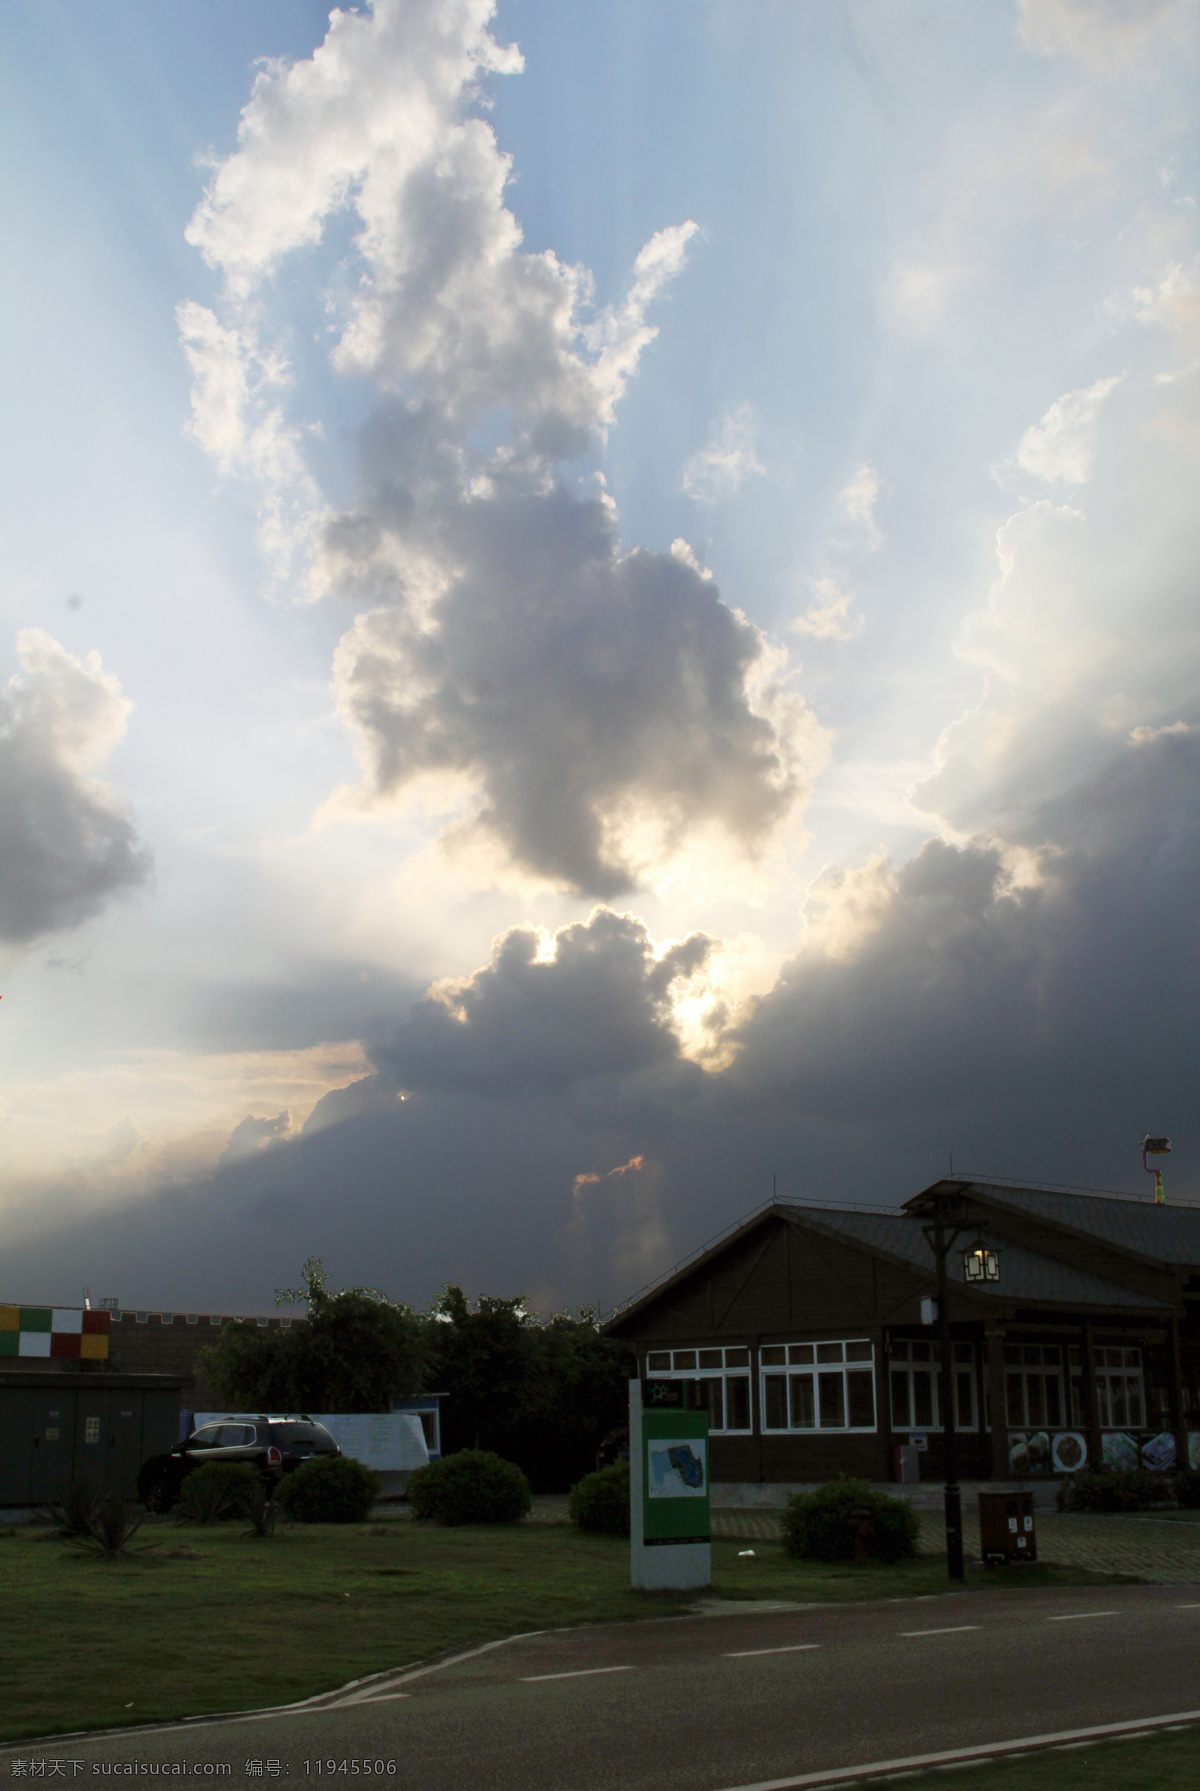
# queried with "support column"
point(1175, 1390)
point(997, 1409)
point(1090, 1413)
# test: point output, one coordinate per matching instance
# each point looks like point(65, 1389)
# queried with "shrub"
point(110, 1527)
point(215, 1491)
point(72, 1514)
point(600, 1501)
point(259, 1509)
point(329, 1489)
point(1113, 1489)
point(846, 1520)
point(471, 1487)
point(1187, 1490)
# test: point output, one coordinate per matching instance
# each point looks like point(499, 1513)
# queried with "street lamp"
point(1155, 1147)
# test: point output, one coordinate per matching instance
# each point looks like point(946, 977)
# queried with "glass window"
point(711, 1358)
point(204, 1439)
point(819, 1391)
point(737, 1400)
point(685, 1358)
point(916, 1386)
point(725, 1397)
point(1120, 1398)
point(1033, 1393)
point(737, 1358)
point(660, 1358)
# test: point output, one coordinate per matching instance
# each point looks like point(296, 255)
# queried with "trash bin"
point(1006, 1531)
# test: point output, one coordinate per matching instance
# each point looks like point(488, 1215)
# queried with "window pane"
point(1076, 1402)
point(1012, 1355)
point(920, 1352)
point(1073, 1356)
point(800, 1352)
point(901, 1417)
point(1102, 1417)
point(899, 1351)
point(963, 1353)
point(1034, 1400)
point(1116, 1398)
point(1133, 1391)
point(712, 1358)
point(964, 1392)
point(803, 1416)
point(833, 1401)
point(685, 1358)
point(922, 1394)
point(773, 1355)
point(737, 1358)
point(1053, 1400)
point(737, 1402)
point(775, 1416)
point(1032, 1355)
point(1133, 1358)
point(1014, 1388)
point(829, 1352)
point(858, 1352)
point(1051, 1355)
point(659, 1358)
point(860, 1391)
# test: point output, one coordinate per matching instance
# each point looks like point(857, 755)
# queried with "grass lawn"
point(1164, 1763)
point(210, 1619)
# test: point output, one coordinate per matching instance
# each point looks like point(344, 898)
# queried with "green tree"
point(355, 1351)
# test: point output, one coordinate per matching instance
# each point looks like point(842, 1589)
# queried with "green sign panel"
point(674, 1477)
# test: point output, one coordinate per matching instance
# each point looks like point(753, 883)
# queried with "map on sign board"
point(678, 1469)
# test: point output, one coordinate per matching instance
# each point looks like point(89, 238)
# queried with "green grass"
point(211, 1620)
point(1162, 1763)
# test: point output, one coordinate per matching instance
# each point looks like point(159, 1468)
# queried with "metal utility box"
point(1006, 1529)
point(94, 1427)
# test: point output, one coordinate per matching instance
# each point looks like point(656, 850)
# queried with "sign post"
point(670, 1536)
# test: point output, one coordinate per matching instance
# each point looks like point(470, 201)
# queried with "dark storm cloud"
point(1034, 1031)
point(67, 842)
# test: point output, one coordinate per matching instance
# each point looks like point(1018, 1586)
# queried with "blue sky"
point(812, 599)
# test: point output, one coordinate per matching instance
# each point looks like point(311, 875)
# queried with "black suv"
point(273, 1445)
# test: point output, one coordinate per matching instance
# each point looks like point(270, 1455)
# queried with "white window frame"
point(1034, 1363)
point(685, 1365)
point(807, 1361)
point(1128, 1369)
point(901, 1361)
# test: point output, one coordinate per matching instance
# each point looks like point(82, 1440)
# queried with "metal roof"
point(1024, 1274)
point(1164, 1234)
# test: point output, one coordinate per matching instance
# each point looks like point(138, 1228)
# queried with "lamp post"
point(952, 1495)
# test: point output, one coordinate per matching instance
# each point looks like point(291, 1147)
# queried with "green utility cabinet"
point(94, 1427)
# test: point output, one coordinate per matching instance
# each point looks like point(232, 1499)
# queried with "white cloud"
point(255, 1134)
point(67, 841)
point(729, 459)
point(1106, 34)
point(1061, 448)
point(829, 618)
point(858, 500)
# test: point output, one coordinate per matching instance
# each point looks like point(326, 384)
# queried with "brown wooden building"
point(803, 1333)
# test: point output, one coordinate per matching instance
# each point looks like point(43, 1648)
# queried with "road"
point(737, 1698)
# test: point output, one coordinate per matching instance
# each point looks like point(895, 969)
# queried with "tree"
point(356, 1350)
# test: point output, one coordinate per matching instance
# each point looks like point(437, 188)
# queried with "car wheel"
point(158, 1494)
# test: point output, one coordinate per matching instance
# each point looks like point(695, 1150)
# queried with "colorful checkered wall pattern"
point(66, 1331)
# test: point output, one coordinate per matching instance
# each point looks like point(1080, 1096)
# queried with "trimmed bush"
point(472, 1486)
point(1187, 1490)
point(846, 1520)
point(600, 1501)
point(329, 1489)
point(216, 1491)
point(1112, 1489)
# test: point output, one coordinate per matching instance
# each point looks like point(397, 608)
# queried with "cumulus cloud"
point(728, 460)
point(829, 618)
point(581, 711)
point(1060, 449)
point(255, 1134)
point(67, 841)
point(595, 999)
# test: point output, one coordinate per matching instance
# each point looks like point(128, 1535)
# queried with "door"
point(52, 1442)
point(124, 1441)
point(16, 1436)
point(91, 1438)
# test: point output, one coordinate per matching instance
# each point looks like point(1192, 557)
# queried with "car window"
point(233, 1436)
point(312, 1436)
point(204, 1439)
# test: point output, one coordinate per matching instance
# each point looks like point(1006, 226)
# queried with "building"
point(806, 1332)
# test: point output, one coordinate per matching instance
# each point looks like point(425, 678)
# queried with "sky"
point(599, 617)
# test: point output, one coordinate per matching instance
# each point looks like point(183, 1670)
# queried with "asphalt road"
point(707, 1702)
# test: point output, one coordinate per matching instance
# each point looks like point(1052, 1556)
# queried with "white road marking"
point(990, 1751)
point(1187, 1607)
point(956, 1629)
point(792, 1648)
point(581, 1673)
point(1079, 1616)
point(382, 1698)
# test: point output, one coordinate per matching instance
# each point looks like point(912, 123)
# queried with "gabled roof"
point(1024, 1274)
point(1157, 1234)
